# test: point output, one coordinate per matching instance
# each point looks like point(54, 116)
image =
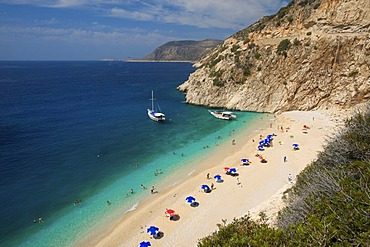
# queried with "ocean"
point(79, 130)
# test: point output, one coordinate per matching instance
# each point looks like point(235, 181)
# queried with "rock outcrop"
point(312, 54)
point(185, 50)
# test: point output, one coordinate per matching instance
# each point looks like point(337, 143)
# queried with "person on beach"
point(290, 178)
point(152, 191)
point(233, 142)
point(285, 159)
point(208, 176)
point(212, 186)
point(143, 187)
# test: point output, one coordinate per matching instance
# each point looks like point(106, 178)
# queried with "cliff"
point(186, 50)
point(312, 54)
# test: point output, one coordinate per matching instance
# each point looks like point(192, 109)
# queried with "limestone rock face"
point(312, 54)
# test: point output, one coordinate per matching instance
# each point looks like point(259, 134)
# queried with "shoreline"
point(257, 188)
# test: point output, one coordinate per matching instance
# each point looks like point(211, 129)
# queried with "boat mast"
point(152, 101)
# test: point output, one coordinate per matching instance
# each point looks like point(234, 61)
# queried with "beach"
point(258, 186)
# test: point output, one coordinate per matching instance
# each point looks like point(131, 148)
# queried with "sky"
point(117, 29)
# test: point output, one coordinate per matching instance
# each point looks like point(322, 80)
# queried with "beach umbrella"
point(204, 187)
point(190, 199)
point(226, 169)
point(170, 212)
point(269, 137)
point(217, 177)
point(261, 142)
point(245, 161)
point(152, 230)
point(295, 145)
point(232, 170)
point(261, 148)
point(144, 244)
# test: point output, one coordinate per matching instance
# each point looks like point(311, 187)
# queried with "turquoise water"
point(76, 130)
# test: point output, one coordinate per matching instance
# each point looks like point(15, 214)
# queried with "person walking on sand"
point(212, 186)
point(208, 177)
point(285, 159)
point(290, 178)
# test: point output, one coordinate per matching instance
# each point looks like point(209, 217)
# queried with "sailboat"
point(153, 114)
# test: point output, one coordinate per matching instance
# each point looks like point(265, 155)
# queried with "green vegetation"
point(296, 42)
point(235, 48)
point(283, 47)
point(353, 73)
point(218, 83)
point(328, 206)
point(257, 55)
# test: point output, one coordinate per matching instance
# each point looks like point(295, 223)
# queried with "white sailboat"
point(153, 114)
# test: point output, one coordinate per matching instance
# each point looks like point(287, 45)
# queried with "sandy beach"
point(258, 187)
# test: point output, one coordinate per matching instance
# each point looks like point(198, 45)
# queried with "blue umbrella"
point(144, 244)
point(261, 142)
point(152, 230)
point(269, 137)
point(190, 199)
point(232, 170)
point(260, 148)
point(217, 177)
point(295, 145)
point(205, 187)
point(245, 160)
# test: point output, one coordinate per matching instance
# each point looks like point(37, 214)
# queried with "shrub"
point(218, 83)
point(283, 47)
point(296, 42)
point(234, 48)
point(353, 73)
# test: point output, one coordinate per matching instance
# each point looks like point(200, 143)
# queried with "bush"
point(283, 47)
point(296, 42)
point(234, 48)
point(218, 83)
point(353, 73)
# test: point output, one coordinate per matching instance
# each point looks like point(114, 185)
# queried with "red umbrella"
point(226, 169)
point(170, 212)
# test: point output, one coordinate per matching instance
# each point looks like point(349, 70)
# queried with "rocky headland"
point(182, 51)
point(312, 54)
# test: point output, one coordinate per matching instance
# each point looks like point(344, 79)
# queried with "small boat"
point(153, 114)
point(226, 115)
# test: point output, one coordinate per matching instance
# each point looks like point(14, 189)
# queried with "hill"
point(312, 54)
point(186, 50)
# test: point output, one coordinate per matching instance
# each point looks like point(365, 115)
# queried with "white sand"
point(260, 188)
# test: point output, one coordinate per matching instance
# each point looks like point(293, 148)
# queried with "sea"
point(76, 134)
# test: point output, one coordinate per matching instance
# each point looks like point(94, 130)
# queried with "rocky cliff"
point(312, 54)
point(185, 50)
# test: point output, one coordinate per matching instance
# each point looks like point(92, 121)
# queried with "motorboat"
point(225, 115)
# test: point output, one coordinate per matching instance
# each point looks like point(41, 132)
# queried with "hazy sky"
point(96, 29)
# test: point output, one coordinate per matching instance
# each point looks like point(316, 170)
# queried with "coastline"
point(257, 188)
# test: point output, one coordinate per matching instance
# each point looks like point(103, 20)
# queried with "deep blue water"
point(74, 130)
